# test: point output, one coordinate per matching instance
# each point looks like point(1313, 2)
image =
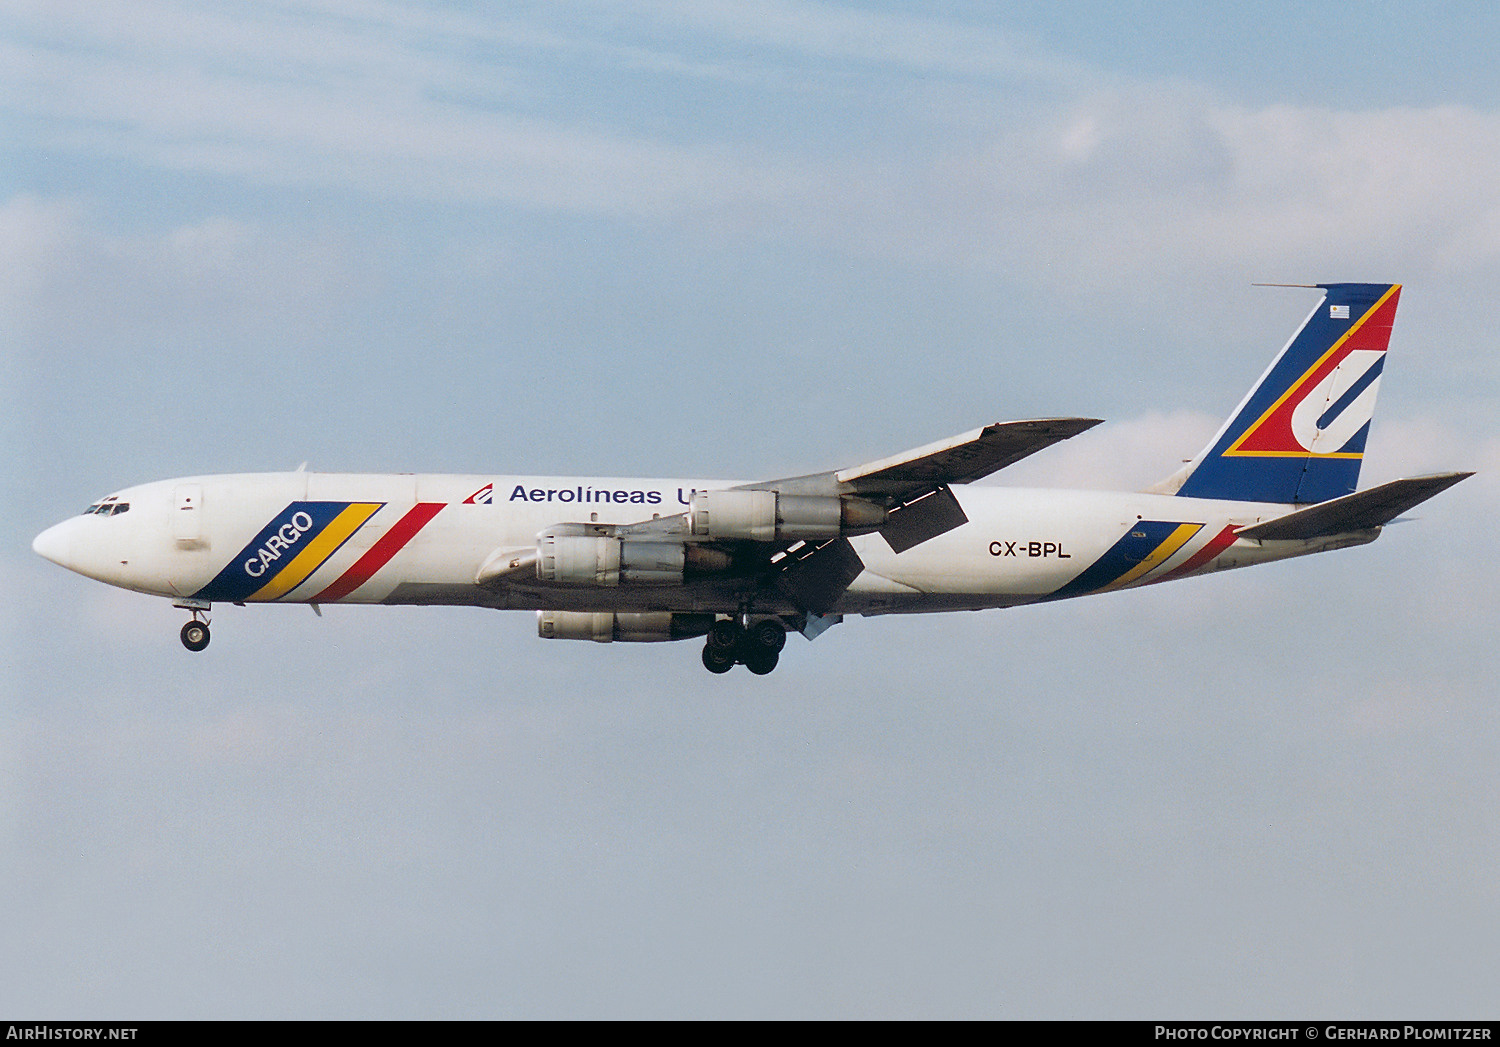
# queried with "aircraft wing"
point(915, 490)
point(916, 485)
point(1361, 511)
point(959, 460)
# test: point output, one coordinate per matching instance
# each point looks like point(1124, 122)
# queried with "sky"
point(743, 240)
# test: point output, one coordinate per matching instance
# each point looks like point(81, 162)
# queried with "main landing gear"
point(757, 648)
point(195, 634)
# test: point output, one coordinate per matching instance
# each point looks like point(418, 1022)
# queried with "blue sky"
point(743, 240)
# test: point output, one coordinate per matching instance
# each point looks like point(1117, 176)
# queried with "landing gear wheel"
point(765, 635)
point(195, 635)
point(725, 635)
point(761, 662)
point(717, 659)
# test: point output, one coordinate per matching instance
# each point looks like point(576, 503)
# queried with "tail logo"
point(1299, 435)
point(1339, 406)
point(1325, 409)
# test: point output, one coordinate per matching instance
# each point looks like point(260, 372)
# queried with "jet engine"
point(769, 516)
point(607, 626)
point(565, 558)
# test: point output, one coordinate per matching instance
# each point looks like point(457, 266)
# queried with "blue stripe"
point(1137, 543)
point(1356, 444)
point(1348, 398)
point(262, 559)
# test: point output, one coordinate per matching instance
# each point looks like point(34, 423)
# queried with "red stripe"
point(1216, 545)
point(379, 554)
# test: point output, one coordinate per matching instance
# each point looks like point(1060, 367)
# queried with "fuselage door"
point(187, 516)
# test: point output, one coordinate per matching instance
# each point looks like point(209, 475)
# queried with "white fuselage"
point(422, 538)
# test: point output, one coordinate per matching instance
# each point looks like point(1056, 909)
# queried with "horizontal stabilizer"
point(1361, 511)
point(959, 460)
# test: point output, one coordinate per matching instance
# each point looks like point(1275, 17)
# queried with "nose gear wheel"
point(195, 635)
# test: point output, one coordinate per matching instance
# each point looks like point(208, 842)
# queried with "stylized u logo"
point(1333, 411)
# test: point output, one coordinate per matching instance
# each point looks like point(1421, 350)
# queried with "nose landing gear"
point(195, 635)
point(757, 648)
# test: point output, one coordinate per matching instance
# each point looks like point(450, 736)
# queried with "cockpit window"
point(107, 507)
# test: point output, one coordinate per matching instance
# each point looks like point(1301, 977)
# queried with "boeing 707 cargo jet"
point(741, 564)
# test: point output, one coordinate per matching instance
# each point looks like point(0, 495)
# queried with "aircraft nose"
point(55, 544)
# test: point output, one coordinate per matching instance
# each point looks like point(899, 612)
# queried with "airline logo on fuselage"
point(587, 494)
point(578, 494)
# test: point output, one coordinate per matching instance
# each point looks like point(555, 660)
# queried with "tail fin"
point(1299, 436)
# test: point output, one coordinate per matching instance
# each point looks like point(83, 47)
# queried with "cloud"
point(1169, 180)
point(1072, 175)
point(1128, 455)
point(38, 242)
point(928, 46)
point(385, 100)
point(1406, 446)
point(66, 277)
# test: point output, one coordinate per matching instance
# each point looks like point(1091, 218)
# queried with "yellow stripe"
point(1163, 552)
point(1296, 454)
point(1234, 448)
point(317, 551)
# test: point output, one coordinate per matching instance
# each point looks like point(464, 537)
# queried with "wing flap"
point(817, 580)
point(1361, 511)
point(914, 522)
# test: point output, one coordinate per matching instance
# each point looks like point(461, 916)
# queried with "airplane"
point(741, 564)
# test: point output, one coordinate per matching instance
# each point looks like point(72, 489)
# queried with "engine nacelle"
point(769, 516)
point(603, 561)
point(607, 626)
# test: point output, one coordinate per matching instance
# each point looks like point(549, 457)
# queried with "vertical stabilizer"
point(1299, 436)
